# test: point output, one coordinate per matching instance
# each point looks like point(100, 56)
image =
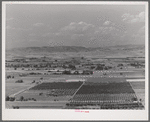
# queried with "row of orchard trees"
point(8, 98)
point(85, 72)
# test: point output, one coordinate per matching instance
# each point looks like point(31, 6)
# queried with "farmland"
point(75, 81)
point(57, 85)
point(110, 95)
point(53, 91)
point(106, 88)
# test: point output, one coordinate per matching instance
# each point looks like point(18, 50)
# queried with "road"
point(21, 91)
point(78, 89)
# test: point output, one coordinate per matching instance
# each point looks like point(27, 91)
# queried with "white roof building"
point(69, 80)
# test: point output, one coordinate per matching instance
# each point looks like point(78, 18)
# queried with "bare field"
point(36, 96)
point(38, 105)
point(12, 88)
point(139, 89)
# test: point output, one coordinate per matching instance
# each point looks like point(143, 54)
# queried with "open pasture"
point(57, 85)
point(138, 85)
point(139, 89)
point(91, 80)
point(26, 80)
point(12, 88)
point(38, 105)
point(44, 97)
point(122, 74)
point(130, 74)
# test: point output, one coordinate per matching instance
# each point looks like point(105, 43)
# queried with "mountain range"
point(75, 49)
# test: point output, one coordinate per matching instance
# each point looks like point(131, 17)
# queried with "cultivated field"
point(90, 82)
point(106, 95)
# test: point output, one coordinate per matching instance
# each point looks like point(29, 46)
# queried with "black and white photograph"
point(75, 60)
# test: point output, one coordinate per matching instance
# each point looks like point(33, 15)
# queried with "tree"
point(15, 107)
point(134, 99)
point(64, 66)
point(120, 65)
point(76, 72)
point(99, 67)
point(67, 104)
point(7, 98)
point(72, 66)
point(92, 67)
point(11, 98)
point(8, 76)
point(21, 98)
point(40, 94)
point(106, 68)
point(66, 72)
point(19, 81)
point(87, 72)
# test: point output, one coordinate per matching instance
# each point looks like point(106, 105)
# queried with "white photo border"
point(59, 114)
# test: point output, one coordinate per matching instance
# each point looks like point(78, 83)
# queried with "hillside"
point(110, 50)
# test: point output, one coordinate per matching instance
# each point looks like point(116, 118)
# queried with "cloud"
point(51, 34)
point(106, 22)
point(82, 30)
point(78, 28)
point(133, 18)
point(106, 30)
point(56, 43)
point(17, 29)
point(38, 24)
point(77, 36)
point(73, 30)
point(82, 33)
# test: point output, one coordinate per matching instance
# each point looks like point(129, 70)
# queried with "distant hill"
point(51, 49)
point(76, 49)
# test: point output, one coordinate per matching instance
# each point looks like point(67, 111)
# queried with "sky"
point(36, 25)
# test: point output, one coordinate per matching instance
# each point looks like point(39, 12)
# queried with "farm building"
point(75, 80)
